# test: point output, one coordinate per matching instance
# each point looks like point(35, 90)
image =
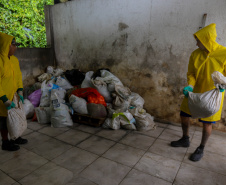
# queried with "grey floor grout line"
point(182, 160)
point(99, 156)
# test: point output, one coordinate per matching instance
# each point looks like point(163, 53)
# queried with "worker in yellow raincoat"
point(10, 83)
point(209, 57)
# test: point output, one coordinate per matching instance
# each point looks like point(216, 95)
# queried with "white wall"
point(146, 43)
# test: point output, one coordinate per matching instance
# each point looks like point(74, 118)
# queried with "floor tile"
point(114, 135)
point(140, 178)
point(210, 161)
point(78, 180)
point(105, 172)
point(138, 141)
point(158, 166)
point(5, 179)
point(6, 155)
point(73, 137)
point(51, 148)
point(50, 131)
point(163, 125)
point(213, 145)
point(75, 159)
point(96, 145)
point(163, 148)
point(35, 139)
point(27, 131)
point(48, 174)
point(89, 129)
point(124, 154)
point(190, 175)
point(170, 135)
point(36, 126)
point(22, 165)
point(153, 133)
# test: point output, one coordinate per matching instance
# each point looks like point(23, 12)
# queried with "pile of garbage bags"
point(58, 94)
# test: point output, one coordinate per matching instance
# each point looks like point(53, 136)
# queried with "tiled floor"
point(85, 155)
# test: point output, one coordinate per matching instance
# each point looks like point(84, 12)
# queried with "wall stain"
point(122, 26)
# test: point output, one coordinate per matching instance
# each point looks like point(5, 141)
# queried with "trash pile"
point(58, 95)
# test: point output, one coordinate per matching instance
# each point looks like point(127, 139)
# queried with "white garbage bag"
point(78, 104)
point(16, 119)
point(43, 114)
point(45, 97)
point(110, 79)
point(63, 83)
point(87, 81)
point(144, 121)
point(60, 116)
point(28, 108)
point(203, 105)
point(102, 88)
point(136, 100)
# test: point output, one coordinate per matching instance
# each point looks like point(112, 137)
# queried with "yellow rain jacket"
point(202, 65)
point(10, 74)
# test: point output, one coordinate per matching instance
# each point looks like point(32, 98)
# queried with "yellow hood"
point(5, 42)
point(207, 36)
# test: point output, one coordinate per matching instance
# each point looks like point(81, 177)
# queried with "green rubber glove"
point(221, 90)
point(186, 89)
point(9, 104)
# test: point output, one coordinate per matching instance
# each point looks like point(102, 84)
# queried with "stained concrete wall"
point(33, 62)
point(146, 43)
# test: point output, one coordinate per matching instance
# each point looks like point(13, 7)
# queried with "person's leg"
point(6, 144)
point(185, 123)
point(206, 132)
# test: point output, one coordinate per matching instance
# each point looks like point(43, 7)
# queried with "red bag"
point(91, 94)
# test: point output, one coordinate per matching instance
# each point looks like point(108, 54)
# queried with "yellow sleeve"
point(2, 93)
point(191, 72)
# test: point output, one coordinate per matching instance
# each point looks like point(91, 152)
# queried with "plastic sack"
point(45, 97)
point(102, 88)
point(123, 92)
point(63, 83)
point(31, 88)
point(87, 80)
point(57, 72)
point(126, 120)
point(60, 116)
point(219, 79)
point(59, 93)
point(16, 119)
point(110, 79)
point(112, 123)
point(136, 100)
point(35, 97)
point(44, 76)
point(78, 104)
point(120, 104)
point(96, 110)
point(144, 121)
point(43, 114)
point(50, 70)
point(92, 95)
point(28, 108)
point(74, 76)
point(203, 105)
